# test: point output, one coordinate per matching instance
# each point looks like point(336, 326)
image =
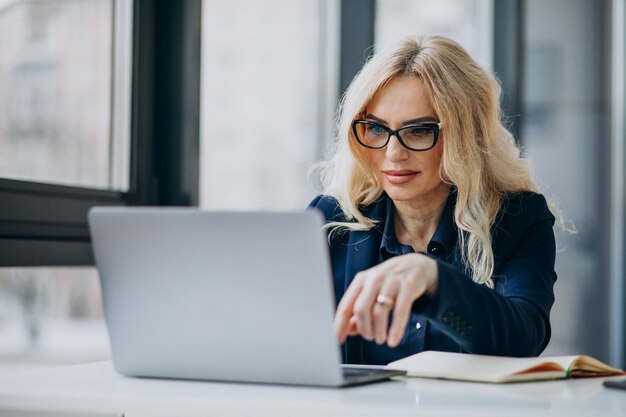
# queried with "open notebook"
point(498, 369)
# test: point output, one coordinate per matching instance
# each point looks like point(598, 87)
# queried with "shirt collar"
point(441, 244)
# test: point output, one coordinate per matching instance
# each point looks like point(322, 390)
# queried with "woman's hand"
point(392, 286)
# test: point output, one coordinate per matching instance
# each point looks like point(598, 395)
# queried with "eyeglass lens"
point(414, 137)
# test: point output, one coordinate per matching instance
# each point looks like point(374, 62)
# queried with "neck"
point(415, 221)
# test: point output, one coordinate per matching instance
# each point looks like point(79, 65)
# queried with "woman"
point(438, 237)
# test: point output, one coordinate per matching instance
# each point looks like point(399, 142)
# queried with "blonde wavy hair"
point(480, 157)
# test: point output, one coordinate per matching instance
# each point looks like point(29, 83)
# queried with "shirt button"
point(418, 325)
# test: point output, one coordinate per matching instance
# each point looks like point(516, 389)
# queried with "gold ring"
point(384, 301)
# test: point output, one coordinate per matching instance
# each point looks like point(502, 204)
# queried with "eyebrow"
point(406, 122)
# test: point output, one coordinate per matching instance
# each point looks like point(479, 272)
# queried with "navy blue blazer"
point(513, 319)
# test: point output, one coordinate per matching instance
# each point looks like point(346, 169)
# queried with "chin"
point(402, 195)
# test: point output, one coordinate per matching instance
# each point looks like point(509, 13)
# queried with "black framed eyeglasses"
point(416, 137)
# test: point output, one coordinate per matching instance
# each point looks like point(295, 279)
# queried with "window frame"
point(357, 26)
point(508, 60)
point(45, 224)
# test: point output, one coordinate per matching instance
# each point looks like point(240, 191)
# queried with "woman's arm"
point(513, 319)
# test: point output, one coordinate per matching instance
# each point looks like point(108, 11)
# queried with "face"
point(405, 175)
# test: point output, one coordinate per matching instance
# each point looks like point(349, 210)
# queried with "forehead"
point(402, 98)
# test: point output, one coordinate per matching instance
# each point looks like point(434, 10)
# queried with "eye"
point(375, 129)
point(420, 131)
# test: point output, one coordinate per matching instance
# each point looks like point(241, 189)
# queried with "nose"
point(395, 151)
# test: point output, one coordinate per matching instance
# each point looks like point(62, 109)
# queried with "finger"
point(351, 329)
point(345, 309)
point(381, 312)
point(364, 304)
point(401, 312)
point(343, 319)
point(380, 319)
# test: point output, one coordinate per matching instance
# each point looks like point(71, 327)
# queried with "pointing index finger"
point(344, 310)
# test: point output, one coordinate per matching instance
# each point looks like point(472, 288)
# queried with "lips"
point(400, 176)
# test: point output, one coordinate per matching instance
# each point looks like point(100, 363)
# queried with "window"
point(559, 103)
point(64, 146)
point(469, 22)
point(48, 314)
point(268, 97)
point(64, 124)
point(56, 84)
point(49, 317)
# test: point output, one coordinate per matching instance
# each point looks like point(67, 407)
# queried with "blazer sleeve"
point(514, 318)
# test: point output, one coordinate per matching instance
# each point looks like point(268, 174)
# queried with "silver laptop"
point(228, 296)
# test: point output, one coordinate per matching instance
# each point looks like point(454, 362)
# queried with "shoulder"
point(522, 213)
point(525, 206)
point(333, 212)
point(329, 207)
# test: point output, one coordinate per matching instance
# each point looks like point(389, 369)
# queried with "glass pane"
point(563, 95)
point(264, 101)
point(55, 91)
point(469, 22)
point(50, 317)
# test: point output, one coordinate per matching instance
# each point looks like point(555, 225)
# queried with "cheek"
point(374, 164)
point(430, 166)
point(374, 160)
point(434, 159)
point(431, 160)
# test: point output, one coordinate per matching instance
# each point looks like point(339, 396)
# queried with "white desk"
point(96, 390)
